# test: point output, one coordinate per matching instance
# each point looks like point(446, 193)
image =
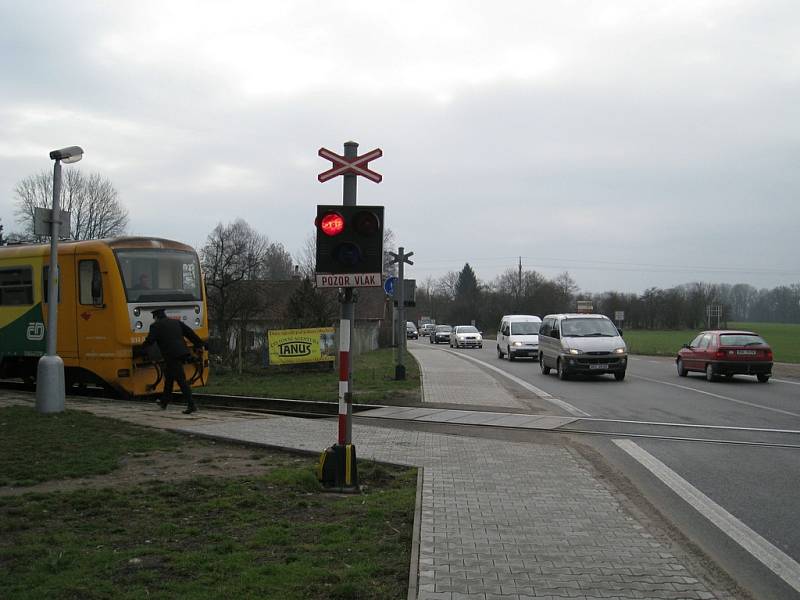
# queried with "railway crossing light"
point(50, 370)
point(349, 239)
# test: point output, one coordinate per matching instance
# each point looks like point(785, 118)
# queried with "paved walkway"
point(499, 520)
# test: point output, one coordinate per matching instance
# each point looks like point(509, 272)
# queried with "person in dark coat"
point(168, 335)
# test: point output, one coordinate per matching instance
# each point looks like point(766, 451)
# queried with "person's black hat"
point(158, 312)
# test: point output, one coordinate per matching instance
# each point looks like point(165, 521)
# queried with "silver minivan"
point(518, 335)
point(581, 343)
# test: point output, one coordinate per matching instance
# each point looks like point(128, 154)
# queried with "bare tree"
point(91, 199)
point(307, 257)
point(233, 258)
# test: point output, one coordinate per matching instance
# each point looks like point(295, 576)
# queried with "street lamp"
point(50, 370)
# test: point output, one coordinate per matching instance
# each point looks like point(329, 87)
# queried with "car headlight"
point(517, 344)
point(574, 351)
point(618, 351)
point(461, 337)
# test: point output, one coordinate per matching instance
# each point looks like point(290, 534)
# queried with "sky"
point(631, 143)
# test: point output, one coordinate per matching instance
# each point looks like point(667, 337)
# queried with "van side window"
point(16, 286)
point(90, 283)
point(46, 284)
point(545, 328)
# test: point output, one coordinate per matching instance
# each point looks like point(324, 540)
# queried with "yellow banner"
point(291, 346)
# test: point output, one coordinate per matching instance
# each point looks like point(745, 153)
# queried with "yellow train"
point(107, 289)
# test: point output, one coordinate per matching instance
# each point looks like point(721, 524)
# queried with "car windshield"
point(740, 339)
point(525, 327)
point(444, 328)
point(155, 275)
point(588, 328)
point(466, 329)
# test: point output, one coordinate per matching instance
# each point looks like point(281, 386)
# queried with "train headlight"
point(137, 311)
point(197, 322)
point(139, 325)
point(197, 310)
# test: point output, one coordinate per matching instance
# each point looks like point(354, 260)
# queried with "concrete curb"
point(413, 573)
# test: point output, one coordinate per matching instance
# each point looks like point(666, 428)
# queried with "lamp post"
point(50, 370)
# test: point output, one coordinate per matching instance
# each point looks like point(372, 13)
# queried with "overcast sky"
point(632, 143)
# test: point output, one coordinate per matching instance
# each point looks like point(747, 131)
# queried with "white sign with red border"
point(356, 165)
point(330, 280)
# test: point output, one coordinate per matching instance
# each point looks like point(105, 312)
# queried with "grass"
point(68, 444)
point(373, 381)
point(271, 535)
point(784, 338)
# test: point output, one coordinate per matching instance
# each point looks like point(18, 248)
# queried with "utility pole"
point(400, 258)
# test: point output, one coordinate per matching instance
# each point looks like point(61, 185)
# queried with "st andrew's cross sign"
point(355, 166)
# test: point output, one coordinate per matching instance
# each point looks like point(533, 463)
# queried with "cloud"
point(619, 133)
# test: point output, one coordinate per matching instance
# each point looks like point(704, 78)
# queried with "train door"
point(66, 343)
point(96, 333)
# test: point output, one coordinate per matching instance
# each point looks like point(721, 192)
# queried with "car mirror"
point(686, 346)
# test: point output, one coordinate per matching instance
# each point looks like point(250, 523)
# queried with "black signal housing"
point(354, 247)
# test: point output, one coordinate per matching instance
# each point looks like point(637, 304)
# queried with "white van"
point(518, 335)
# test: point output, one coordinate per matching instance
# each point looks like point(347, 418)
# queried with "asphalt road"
point(721, 460)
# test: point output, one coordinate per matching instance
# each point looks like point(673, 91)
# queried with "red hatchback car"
point(726, 353)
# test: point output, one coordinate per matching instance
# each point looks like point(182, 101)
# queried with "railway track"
point(683, 432)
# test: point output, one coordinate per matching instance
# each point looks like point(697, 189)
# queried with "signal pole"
point(346, 322)
point(342, 265)
point(401, 258)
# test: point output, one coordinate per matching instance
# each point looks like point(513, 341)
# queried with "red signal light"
point(331, 224)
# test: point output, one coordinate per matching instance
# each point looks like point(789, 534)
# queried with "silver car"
point(466, 336)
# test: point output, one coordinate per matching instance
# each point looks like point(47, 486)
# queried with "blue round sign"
point(388, 285)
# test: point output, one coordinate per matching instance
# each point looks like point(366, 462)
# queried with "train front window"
point(160, 275)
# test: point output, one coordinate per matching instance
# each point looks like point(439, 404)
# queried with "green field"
point(783, 337)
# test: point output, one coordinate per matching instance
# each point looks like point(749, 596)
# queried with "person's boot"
point(190, 409)
point(161, 404)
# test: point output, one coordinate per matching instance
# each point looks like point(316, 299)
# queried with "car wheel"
point(619, 375)
point(545, 369)
point(762, 378)
point(710, 376)
point(510, 356)
point(562, 372)
point(681, 371)
point(499, 352)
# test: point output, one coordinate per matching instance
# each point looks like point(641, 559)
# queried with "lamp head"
point(67, 155)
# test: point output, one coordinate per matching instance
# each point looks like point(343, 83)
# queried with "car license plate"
point(746, 352)
point(598, 366)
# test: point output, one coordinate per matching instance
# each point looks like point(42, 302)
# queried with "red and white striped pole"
point(344, 381)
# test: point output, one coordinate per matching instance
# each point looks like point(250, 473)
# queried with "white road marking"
point(785, 381)
point(691, 389)
point(770, 556)
point(532, 388)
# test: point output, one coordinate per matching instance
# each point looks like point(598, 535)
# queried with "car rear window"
point(739, 339)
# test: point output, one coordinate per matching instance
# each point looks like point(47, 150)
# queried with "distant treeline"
point(459, 297)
